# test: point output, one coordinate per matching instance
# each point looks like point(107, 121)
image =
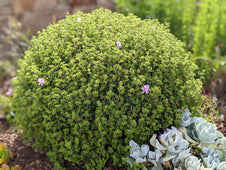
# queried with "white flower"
point(79, 19)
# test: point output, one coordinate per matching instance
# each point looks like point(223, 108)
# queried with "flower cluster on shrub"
point(195, 145)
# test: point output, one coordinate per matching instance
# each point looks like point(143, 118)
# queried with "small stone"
point(37, 162)
point(31, 164)
point(20, 148)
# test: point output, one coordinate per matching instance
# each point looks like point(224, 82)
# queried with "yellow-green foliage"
point(200, 24)
point(188, 16)
point(5, 155)
point(206, 28)
point(91, 104)
point(222, 27)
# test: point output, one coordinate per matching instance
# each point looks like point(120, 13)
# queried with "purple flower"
point(214, 99)
point(9, 92)
point(118, 43)
point(41, 81)
point(152, 27)
point(222, 118)
point(145, 89)
point(79, 19)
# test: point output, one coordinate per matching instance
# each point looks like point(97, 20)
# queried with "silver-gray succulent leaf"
point(141, 159)
point(168, 157)
point(181, 156)
point(133, 144)
point(158, 167)
point(172, 143)
point(186, 120)
point(172, 147)
point(192, 163)
point(144, 149)
point(207, 132)
point(183, 130)
point(221, 154)
point(222, 166)
point(130, 161)
point(210, 158)
point(138, 153)
point(154, 156)
point(154, 142)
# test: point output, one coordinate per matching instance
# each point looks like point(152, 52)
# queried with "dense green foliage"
point(91, 104)
point(200, 24)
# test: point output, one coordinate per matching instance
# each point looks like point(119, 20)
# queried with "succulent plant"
point(207, 132)
point(222, 166)
point(192, 163)
point(221, 154)
point(137, 152)
point(154, 156)
point(199, 129)
point(210, 158)
point(196, 145)
point(172, 144)
point(186, 120)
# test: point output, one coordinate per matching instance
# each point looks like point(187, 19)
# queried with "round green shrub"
point(91, 104)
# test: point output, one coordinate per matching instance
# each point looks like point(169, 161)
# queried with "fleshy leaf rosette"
point(192, 163)
point(200, 130)
point(210, 158)
point(138, 153)
point(154, 156)
point(172, 145)
point(207, 132)
point(196, 145)
point(186, 120)
point(222, 166)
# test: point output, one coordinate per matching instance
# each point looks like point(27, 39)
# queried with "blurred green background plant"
point(200, 24)
point(13, 44)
